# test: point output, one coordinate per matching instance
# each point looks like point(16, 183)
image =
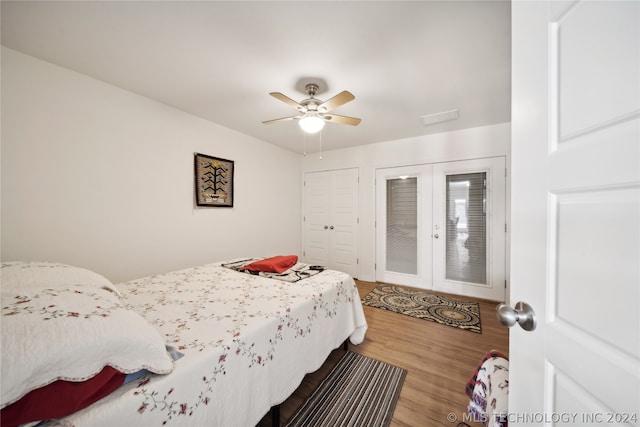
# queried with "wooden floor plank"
point(439, 361)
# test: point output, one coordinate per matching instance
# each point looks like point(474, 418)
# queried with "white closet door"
point(469, 228)
point(316, 216)
point(330, 220)
point(343, 227)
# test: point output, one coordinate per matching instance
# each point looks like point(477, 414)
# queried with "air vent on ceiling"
point(439, 117)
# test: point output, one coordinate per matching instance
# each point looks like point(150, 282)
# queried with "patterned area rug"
point(423, 305)
point(358, 392)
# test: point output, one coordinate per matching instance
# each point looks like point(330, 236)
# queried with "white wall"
point(481, 142)
point(95, 176)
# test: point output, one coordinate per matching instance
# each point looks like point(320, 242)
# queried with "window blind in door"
point(402, 225)
point(466, 229)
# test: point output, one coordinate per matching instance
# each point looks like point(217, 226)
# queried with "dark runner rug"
point(359, 391)
point(423, 305)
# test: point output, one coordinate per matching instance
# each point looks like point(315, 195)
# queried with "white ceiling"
point(219, 60)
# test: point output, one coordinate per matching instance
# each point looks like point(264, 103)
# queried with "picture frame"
point(213, 181)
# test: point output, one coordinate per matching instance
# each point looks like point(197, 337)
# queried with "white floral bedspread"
point(247, 341)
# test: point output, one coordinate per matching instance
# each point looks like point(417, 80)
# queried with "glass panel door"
point(441, 227)
point(403, 224)
point(469, 228)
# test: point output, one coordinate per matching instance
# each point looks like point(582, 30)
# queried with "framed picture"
point(213, 181)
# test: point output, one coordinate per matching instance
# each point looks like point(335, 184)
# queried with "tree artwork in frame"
point(213, 180)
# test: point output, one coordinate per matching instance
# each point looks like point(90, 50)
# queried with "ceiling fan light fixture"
point(311, 123)
point(313, 112)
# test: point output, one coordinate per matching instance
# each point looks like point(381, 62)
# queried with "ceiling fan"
point(314, 112)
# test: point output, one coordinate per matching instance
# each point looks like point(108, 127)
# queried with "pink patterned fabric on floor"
point(488, 390)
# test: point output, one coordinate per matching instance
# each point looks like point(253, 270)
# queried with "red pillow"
point(61, 398)
point(276, 264)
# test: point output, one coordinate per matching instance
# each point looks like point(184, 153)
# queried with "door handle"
point(522, 314)
point(331, 227)
point(436, 235)
point(326, 226)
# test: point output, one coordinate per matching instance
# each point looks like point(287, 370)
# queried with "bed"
point(208, 345)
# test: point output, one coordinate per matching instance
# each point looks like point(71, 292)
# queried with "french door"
point(442, 226)
point(403, 213)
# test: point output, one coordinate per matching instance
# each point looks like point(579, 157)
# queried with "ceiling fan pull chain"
point(304, 142)
point(320, 145)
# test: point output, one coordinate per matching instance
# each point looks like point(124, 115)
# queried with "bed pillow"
point(276, 264)
point(51, 274)
point(71, 333)
point(61, 398)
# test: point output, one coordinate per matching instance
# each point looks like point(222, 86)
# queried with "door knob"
point(326, 226)
point(522, 314)
point(331, 227)
point(436, 235)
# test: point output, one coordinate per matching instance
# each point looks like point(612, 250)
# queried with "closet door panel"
point(330, 219)
point(316, 218)
point(343, 230)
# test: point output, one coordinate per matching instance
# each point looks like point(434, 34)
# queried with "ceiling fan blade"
point(338, 100)
point(283, 119)
point(352, 121)
point(287, 100)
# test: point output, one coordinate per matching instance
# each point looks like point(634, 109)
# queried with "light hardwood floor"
point(439, 361)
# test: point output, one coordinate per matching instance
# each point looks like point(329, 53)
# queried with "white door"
point(343, 228)
point(316, 216)
point(403, 224)
point(575, 212)
point(469, 228)
point(330, 220)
